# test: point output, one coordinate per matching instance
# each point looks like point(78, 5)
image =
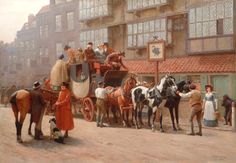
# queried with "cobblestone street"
point(87, 143)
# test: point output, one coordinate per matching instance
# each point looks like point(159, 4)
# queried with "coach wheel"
point(88, 109)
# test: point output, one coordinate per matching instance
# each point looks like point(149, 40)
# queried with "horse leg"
point(149, 116)
point(17, 124)
point(177, 116)
point(31, 121)
point(140, 114)
point(141, 119)
point(135, 117)
point(122, 117)
point(161, 127)
point(113, 109)
point(132, 117)
point(153, 121)
point(172, 118)
point(127, 117)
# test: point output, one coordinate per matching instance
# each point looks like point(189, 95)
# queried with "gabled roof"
point(44, 9)
point(220, 63)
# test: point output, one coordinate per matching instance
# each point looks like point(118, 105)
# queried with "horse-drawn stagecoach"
point(84, 81)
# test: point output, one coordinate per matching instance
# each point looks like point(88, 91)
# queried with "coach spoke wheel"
point(88, 109)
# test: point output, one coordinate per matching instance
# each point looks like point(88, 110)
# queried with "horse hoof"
point(161, 130)
point(174, 129)
point(179, 128)
point(19, 140)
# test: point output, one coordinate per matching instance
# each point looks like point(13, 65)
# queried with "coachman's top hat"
point(66, 84)
point(100, 83)
point(36, 85)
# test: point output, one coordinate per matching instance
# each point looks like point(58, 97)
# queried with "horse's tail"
point(13, 99)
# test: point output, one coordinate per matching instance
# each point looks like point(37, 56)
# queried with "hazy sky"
point(14, 13)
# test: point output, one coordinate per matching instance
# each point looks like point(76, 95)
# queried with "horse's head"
point(130, 83)
point(169, 81)
point(183, 86)
point(49, 96)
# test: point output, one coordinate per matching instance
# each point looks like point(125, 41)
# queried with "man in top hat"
point(70, 53)
point(101, 103)
point(37, 109)
point(195, 102)
point(114, 60)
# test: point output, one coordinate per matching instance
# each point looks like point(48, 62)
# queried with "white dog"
point(55, 133)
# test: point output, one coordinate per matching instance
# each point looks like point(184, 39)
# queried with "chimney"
point(31, 17)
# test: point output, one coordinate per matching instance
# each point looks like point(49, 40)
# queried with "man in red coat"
point(64, 118)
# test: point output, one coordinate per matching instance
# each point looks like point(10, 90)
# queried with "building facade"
point(199, 35)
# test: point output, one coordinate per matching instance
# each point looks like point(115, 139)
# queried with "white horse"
point(152, 98)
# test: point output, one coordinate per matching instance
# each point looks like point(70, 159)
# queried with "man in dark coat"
point(227, 103)
point(37, 109)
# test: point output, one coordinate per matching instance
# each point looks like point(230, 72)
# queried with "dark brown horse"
point(121, 99)
point(50, 97)
point(21, 105)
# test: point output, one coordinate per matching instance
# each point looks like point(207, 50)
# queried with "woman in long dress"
point(64, 118)
point(210, 107)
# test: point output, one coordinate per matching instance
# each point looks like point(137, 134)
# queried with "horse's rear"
point(20, 102)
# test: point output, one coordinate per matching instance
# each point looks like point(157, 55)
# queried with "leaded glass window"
point(203, 20)
point(140, 33)
point(96, 36)
point(141, 4)
point(94, 8)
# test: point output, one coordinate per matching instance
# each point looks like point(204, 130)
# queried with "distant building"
point(43, 38)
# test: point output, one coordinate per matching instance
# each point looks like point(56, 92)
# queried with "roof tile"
point(220, 63)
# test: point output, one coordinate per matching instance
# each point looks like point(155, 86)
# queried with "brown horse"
point(20, 102)
point(50, 97)
point(122, 97)
point(21, 105)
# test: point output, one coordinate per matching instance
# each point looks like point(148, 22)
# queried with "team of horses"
point(127, 97)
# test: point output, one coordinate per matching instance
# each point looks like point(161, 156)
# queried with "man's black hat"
point(36, 85)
